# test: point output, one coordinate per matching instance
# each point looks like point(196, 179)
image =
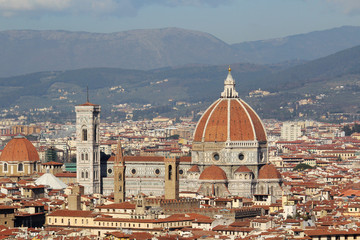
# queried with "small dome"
point(213, 173)
point(194, 168)
point(269, 171)
point(19, 149)
point(243, 169)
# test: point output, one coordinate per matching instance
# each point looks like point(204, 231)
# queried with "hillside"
point(308, 46)
point(28, 51)
point(312, 89)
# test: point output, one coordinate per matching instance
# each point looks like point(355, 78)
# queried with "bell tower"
point(171, 178)
point(119, 175)
point(88, 147)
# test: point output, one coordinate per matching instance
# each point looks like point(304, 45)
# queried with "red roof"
point(229, 116)
point(72, 213)
point(242, 169)
point(213, 173)
point(88, 104)
point(123, 205)
point(194, 168)
point(19, 149)
point(269, 171)
point(52, 163)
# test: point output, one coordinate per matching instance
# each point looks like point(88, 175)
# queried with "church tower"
point(171, 178)
point(88, 147)
point(119, 176)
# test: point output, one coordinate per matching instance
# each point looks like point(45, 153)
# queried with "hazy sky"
point(230, 20)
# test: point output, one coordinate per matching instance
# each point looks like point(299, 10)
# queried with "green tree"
point(302, 167)
point(50, 155)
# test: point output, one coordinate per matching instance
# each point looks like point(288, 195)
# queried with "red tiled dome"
point(229, 119)
point(194, 168)
point(243, 169)
point(269, 171)
point(19, 149)
point(213, 173)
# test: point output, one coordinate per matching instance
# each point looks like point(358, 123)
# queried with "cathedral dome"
point(213, 173)
point(269, 171)
point(19, 149)
point(229, 119)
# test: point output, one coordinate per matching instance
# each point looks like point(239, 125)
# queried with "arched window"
point(86, 156)
point(84, 134)
point(86, 174)
point(170, 172)
point(82, 174)
point(5, 167)
point(35, 166)
point(82, 157)
point(20, 167)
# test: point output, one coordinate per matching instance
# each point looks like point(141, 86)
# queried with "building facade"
point(88, 147)
point(228, 155)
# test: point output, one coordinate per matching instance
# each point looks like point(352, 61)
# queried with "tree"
point(302, 167)
point(51, 155)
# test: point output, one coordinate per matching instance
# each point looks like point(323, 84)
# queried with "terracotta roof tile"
point(213, 173)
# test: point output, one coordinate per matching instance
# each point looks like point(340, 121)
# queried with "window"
point(169, 172)
point(95, 133)
point(20, 167)
point(82, 157)
point(82, 174)
point(86, 174)
point(86, 156)
point(5, 167)
point(34, 166)
point(84, 134)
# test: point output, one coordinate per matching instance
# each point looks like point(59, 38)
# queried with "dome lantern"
point(229, 87)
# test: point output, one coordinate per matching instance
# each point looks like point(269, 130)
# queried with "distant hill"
point(28, 51)
point(308, 46)
point(32, 51)
point(314, 89)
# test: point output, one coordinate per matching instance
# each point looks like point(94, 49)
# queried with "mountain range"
point(314, 89)
point(28, 51)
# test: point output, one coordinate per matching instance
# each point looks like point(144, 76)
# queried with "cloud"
point(347, 6)
point(118, 8)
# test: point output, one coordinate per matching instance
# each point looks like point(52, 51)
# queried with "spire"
point(119, 159)
point(229, 87)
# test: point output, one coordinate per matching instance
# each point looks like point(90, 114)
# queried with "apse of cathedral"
point(229, 155)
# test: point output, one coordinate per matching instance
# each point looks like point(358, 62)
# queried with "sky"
point(232, 21)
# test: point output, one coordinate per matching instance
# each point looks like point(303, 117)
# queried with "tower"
point(88, 147)
point(119, 175)
point(171, 178)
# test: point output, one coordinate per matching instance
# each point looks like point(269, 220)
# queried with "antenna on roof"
point(87, 93)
